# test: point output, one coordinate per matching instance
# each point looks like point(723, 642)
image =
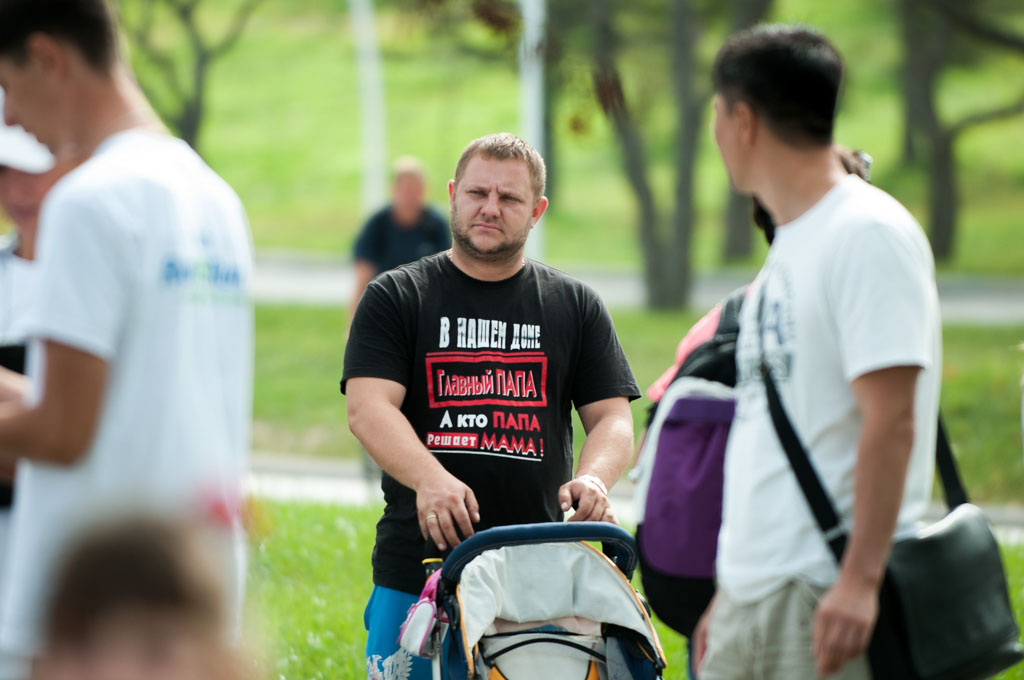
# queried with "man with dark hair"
point(845, 313)
point(86, 24)
point(141, 333)
point(460, 372)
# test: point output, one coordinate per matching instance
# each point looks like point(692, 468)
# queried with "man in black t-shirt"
point(399, 233)
point(461, 371)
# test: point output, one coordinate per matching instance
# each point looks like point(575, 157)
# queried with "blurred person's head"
point(776, 87)
point(27, 171)
point(138, 600)
point(408, 190)
point(61, 68)
point(496, 198)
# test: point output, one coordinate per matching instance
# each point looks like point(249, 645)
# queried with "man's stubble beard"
point(506, 252)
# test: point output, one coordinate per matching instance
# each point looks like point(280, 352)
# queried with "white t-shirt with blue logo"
point(145, 261)
point(849, 289)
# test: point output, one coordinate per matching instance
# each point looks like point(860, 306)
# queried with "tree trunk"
point(738, 243)
point(909, 153)
point(189, 123)
point(739, 227)
point(943, 198)
point(926, 37)
point(634, 159)
point(746, 13)
point(674, 289)
point(610, 97)
point(917, 74)
point(193, 107)
point(659, 295)
point(550, 151)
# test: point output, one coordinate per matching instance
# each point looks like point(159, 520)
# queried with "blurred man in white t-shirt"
point(141, 356)
point(851, 330)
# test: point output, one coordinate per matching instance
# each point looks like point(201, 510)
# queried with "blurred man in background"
point(141, 331)
point(399, 233)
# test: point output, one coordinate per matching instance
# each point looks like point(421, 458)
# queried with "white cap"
point(20, 150)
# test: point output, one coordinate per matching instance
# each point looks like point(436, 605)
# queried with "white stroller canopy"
point(543, 582)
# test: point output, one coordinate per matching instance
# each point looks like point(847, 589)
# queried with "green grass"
point(310, 579)
point(298, 408)
point(297, 405)
point(283, 127)
point(981, 400)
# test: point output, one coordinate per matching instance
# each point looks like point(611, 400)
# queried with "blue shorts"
point(385, 660)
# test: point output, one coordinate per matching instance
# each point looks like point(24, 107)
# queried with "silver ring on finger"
point(430, 516)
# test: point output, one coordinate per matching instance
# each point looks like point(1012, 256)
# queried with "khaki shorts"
point(769, 639)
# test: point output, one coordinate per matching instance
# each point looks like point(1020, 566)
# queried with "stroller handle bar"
point(616, 542)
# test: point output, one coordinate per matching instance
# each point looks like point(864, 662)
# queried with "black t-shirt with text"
point(491, 371)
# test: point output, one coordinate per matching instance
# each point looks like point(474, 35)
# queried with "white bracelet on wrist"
point(596, 481)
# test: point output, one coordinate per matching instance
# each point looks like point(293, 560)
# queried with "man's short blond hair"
point(504, 146)
point(407, 165)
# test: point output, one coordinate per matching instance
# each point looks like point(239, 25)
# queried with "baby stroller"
point(535, 601)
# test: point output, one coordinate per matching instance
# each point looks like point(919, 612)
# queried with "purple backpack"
point(679, 490)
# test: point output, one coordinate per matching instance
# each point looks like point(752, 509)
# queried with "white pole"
point(531, 94)
point(371, 106)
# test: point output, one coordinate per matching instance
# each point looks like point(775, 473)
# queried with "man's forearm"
point(882, 459)
point(13, 386)
point(388, 437)
point(19, 433)
point(607, 449)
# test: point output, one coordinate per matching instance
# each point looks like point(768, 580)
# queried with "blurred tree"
point(930, 29)
point(666, 243)
point(176, 82)
point(659, 48)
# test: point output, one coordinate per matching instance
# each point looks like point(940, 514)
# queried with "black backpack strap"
point(729, 323)
point(715, 359)
point(818, 500)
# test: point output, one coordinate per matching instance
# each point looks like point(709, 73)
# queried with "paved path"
point(290, 278)
point(285, 477)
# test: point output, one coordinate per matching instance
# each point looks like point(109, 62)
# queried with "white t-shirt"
point(145, 260)
point(850, 289)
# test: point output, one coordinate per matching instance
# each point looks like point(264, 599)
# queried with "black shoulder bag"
point(944, 611)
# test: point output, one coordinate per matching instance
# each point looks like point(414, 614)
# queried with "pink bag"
point(425, 624)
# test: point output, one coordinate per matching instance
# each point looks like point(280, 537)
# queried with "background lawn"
point(310, 579)
point(298, 408)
